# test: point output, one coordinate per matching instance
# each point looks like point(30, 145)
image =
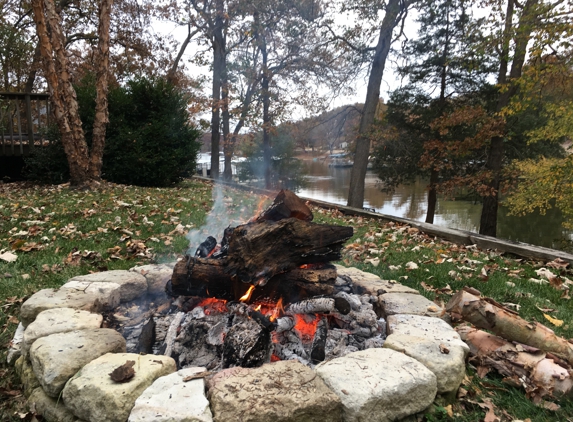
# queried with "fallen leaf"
point(490, 415)
point(123, 372)
point(8, 257)
point(558, 264)
point(554, 321)
point(411, 266)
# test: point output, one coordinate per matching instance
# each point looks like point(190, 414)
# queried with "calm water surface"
point(410, 201)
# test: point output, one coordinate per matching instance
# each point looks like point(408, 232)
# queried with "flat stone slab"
point(132, 285)
point(93, 396)
point(59, 320)
point(157, 276)
point(106, 289)
point(57, 357)
point(379, 385)
point(279, 392)
point(94, 302)
point(169, 399)
point(405, 303)
point(427, 327)
point(373, 284)
point(15, 346)
point(51, 409)
point(447, 363)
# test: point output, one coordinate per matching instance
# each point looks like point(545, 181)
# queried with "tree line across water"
point(485, 102)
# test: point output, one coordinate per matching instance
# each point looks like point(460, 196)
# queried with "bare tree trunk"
point(62, 93)
point(227, 151)
point(218, 68)
point(432, 197)
point(488, 219)
point(63, 96)
point(175, 65)
point(233, 138)
point(358, 174)
point(101, 108)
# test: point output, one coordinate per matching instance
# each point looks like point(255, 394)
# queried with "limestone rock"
point(94, 302)
point(426, 327)
point(373, 284)
point(93, 396)
point(447, 363)
point(26, 374)
point(132, 285)
point(52, 410)
point(156, 275)
point(169, 399)
point(59, 320)
point(279, 392)
point(15, 346)
point(57, 357)
point(404, 303)
point(379, 385)
point(109, 290)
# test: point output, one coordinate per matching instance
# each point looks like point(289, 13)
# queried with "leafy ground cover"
point(56, 233)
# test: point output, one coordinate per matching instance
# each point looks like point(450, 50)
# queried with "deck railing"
point(23, 116)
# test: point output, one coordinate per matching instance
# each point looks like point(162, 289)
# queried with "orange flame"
point(278, 311)
point(247, 295)
point(258, 308)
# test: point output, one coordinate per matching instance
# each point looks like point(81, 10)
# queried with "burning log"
point(271, 250)
point(540, 373)
point(490, 315)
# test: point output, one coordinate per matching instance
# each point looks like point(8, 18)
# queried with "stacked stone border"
point(64, 359)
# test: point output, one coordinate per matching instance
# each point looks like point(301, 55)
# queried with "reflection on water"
point(409, 201)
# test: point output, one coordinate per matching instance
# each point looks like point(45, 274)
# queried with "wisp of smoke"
point(223, 214)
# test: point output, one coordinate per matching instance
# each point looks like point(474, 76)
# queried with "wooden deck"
point(22, 114)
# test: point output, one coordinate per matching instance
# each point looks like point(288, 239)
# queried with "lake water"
point(331, 184)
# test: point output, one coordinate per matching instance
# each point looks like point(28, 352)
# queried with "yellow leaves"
point(554, 321)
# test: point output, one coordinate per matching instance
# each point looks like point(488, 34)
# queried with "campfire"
point(267, 292)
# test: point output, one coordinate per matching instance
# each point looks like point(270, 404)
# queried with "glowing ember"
point(275, 358)
point(215, 249)
point(305, 328)
point(247, 295)
point(212, 304)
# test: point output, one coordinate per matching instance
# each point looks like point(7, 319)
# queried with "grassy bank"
point(57, 234)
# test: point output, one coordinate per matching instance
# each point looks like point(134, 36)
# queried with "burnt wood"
point(268, 253)
point(260, 251)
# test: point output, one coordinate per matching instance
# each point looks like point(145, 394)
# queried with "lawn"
point(57, 233)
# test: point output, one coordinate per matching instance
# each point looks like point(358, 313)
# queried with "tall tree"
point(394, 13)
point(85, 165)
point(441, 59)
point(533, 26)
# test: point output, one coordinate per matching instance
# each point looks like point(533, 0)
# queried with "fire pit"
point(269, 338)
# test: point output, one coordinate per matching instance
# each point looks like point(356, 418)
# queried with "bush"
point(149, 139)
point(48, 164)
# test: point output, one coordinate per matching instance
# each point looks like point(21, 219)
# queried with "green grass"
point(82, 232)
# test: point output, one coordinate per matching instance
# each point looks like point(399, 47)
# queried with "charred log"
point(318, 353)
point(287, 205)
point(247, 344)
point(319, 305)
